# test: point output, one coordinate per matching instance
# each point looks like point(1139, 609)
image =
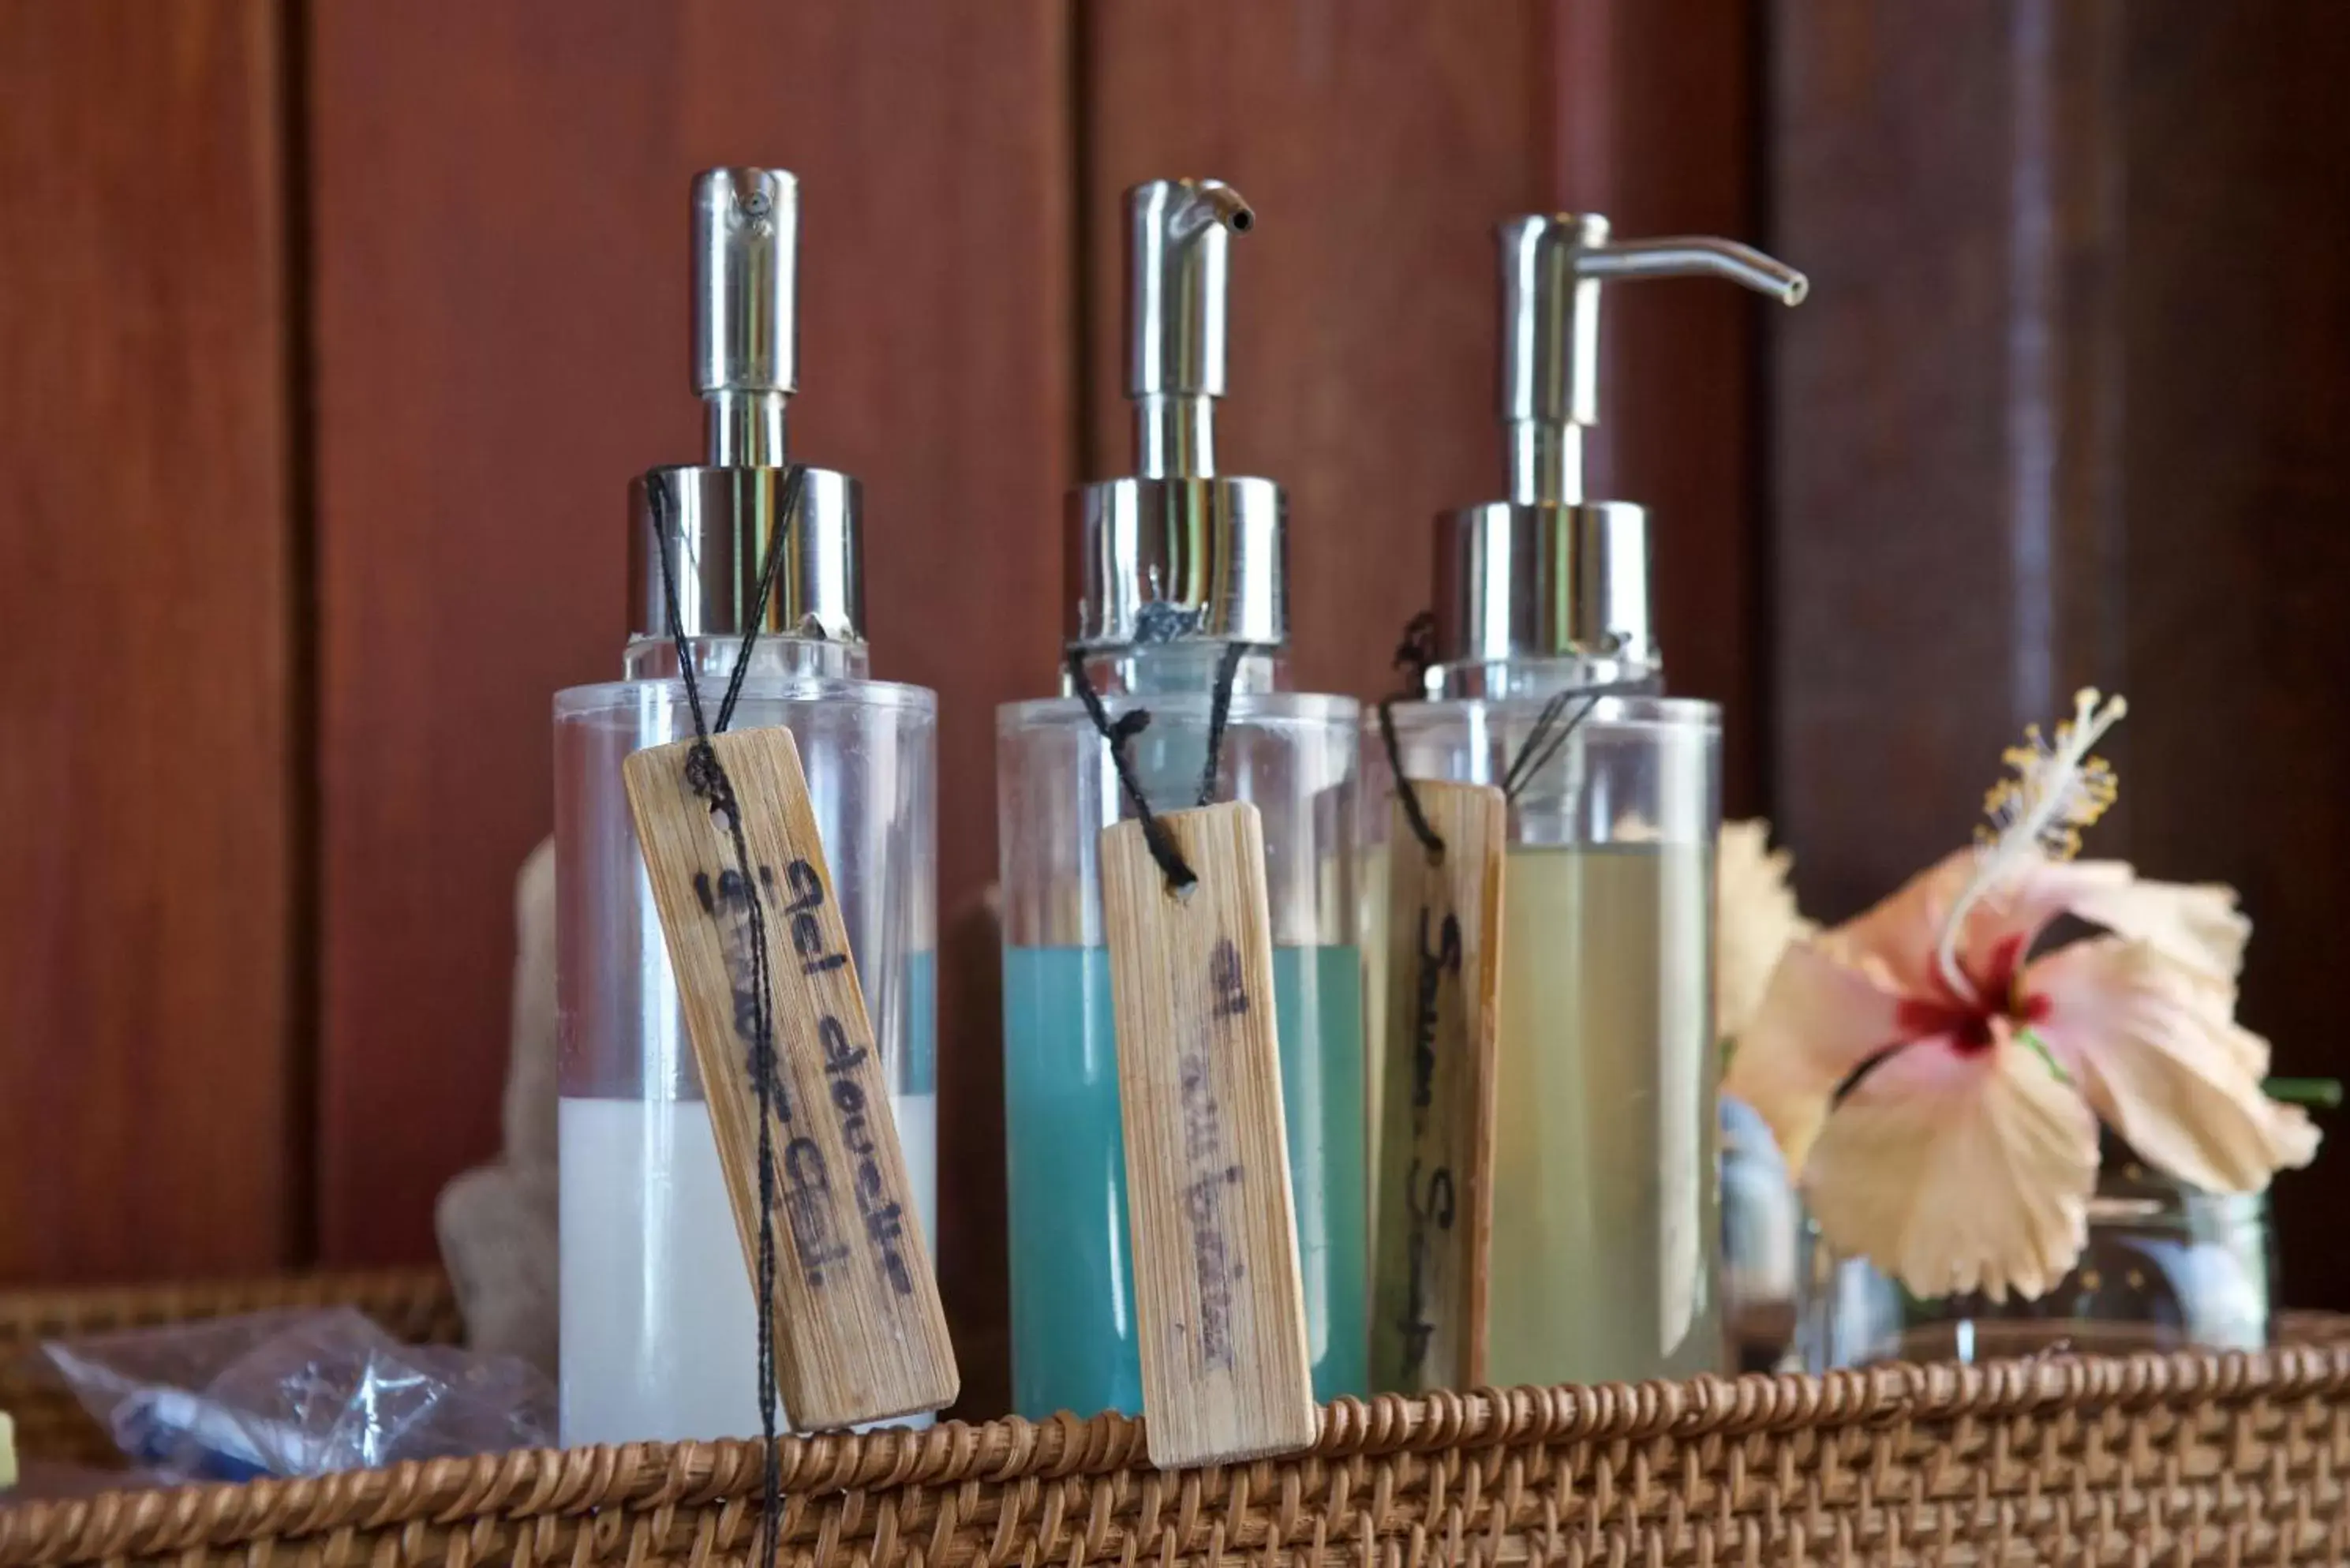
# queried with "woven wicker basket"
point(2177, 1459)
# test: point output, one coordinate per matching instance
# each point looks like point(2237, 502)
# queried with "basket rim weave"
point(543, 1482)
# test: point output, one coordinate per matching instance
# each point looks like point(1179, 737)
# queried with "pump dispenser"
point(1177, 557)
point(1605, 1219)
point(1176, 578)
point(659, 1333)
point(1546, 589)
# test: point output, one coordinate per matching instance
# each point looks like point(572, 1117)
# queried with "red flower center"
point(1968, 1025)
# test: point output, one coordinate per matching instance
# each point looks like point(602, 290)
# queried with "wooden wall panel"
point(2066, 407)
point(2235, 569)
point(1931, 454)
point(497, 321)
point(503, 316)
point(146, 786)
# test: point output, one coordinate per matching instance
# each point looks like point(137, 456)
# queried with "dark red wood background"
point(2072, 405)
point(153, 807)
point(330, 332)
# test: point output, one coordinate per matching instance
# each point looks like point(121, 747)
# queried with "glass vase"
point(2167, 1267)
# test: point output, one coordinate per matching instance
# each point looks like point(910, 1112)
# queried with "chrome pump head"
point(1177, 552)
point(1546, 574)
point(717, 518)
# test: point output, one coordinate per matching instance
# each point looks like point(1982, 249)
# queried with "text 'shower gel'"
point(1176, 582)
point(1606, 1229)
point(660, 1333)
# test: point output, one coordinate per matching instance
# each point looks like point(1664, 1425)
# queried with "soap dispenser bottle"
point(1546, 682)
point(660, 1335)
point(1176, 578)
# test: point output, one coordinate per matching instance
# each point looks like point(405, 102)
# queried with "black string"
point(1413, 655)
point(1549, 733)
point(1220, 708)
point(1118, 732)
point(794, 479)
point(707, 777)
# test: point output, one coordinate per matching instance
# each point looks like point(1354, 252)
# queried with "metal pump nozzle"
point(746, 240)
point(1552, 269)
point(1178, 247)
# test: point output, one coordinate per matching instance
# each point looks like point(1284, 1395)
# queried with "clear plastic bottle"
point(658, 1324)
point(1605, 1221)
point(2165, 1267)
point(1604, 1217)
point(1175, 567)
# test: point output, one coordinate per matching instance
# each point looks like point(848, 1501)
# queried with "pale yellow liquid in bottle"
point(1604, 1215)
point(1372, 918)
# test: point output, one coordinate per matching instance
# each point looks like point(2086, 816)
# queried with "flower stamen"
point(2057, 790)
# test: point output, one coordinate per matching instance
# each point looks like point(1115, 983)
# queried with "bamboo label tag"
point(860, 1333)
point(1433, 1249)
point(1227, 1373)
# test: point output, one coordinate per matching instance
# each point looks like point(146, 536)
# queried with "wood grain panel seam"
point(303, 645)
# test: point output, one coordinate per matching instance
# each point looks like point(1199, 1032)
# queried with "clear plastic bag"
point(298, 1393)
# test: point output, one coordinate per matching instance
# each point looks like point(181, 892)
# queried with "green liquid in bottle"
point(1606, 1213)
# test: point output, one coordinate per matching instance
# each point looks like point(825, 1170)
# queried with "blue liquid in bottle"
point(1073, 1316)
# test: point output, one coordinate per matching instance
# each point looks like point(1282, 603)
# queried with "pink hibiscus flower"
point(1936, 1081)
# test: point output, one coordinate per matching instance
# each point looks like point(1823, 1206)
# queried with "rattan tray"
point(2177, 1459)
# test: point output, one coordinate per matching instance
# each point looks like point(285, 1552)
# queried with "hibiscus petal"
point(2195, 924)
point(1819, 1021)
point(1959, 1170)
point(1894, 941)
point(1754, 919)
point(2198, 924)
point(1898, 940)
point(2157, 1052)
point(2034, 893)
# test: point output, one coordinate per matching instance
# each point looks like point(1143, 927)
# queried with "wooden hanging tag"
point(1227, 1372)
point(1433, 1250)
point(860, 1333)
